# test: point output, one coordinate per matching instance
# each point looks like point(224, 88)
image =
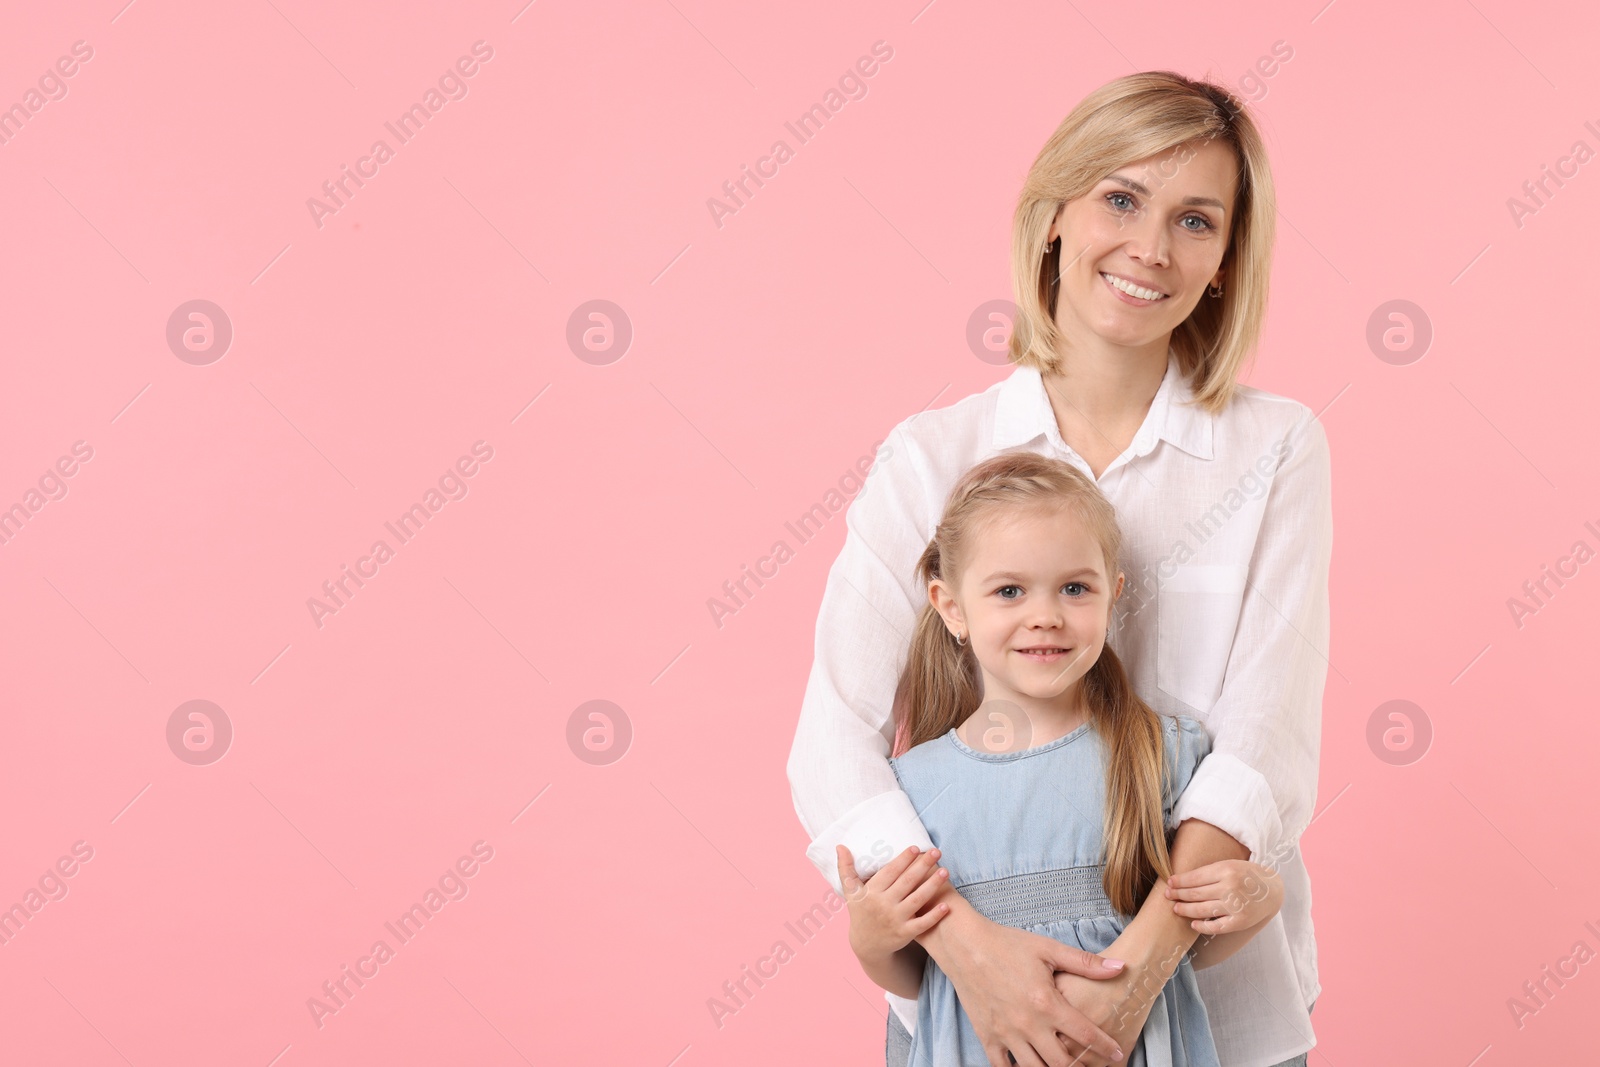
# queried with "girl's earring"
point(961, 639)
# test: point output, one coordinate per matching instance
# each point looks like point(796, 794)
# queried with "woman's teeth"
point(1131, 289)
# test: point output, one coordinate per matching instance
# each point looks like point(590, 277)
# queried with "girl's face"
point(1160, 223)
point(1034, 602)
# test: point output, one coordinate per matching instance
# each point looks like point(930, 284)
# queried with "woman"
point(1141, 249)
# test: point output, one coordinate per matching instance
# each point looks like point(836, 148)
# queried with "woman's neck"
point(1099, 407)
point(1107, 388)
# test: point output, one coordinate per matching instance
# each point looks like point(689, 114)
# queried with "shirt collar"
point(1024, 412)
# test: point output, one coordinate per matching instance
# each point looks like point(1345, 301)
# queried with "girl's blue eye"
point(1003, 588)
point(1080, 585)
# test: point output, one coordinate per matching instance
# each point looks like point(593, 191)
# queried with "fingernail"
point(1117, 1055)
point(1115, 965)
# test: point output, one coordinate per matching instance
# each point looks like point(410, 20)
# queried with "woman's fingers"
point(1022, 1055)
point(1077, 961)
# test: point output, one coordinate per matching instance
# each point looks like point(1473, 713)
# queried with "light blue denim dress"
point(1021, 835)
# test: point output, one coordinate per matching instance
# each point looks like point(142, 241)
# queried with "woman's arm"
point(1259, 783)
point(843, 788)
point(1266, 725)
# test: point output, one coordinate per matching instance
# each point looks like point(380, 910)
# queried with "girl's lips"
point(1127, 298)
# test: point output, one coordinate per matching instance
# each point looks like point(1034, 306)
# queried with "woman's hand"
point(884, 910)
point(1226, 897)
point(1002, 976)
point(1112, 1004)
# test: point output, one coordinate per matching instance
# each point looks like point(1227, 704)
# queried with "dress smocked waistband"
point(1066, 894)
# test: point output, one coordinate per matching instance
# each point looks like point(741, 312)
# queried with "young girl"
point(1046, 784)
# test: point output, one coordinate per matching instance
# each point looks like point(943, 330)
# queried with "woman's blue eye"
point(1198, 218)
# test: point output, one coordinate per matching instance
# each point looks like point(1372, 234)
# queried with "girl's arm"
point(1228, 903)
point(900, 972)
point(884, 919)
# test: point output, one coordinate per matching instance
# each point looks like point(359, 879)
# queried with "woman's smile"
point(1125, 289)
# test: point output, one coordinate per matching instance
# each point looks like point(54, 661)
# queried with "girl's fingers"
point(921, 924)
point(847, 870)
point(1206, 875)
point(916, 874)
point(1205, 909)
point(1214, 926)
point(890, 871)
point(926, 891)
point(1206, 892)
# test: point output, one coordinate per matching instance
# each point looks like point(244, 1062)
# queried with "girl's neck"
point(1007, 724)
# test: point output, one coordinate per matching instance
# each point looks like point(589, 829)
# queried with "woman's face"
point(1036, 580)
point(1160, 223)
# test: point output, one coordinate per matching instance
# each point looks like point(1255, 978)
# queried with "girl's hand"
point(1226, 896)
point(883, 910)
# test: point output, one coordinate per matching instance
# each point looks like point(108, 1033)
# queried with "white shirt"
point(1227, 536)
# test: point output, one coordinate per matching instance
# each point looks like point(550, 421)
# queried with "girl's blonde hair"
point(941, 686)
point(1123, 121)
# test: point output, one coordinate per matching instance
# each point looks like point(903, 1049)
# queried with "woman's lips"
point(1127, 298)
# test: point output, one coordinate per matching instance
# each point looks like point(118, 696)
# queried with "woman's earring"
point(1214, 292)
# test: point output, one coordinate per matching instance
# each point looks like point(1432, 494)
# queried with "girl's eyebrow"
point(1188, 201)
point(1081, 572)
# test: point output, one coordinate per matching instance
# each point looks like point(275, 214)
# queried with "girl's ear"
point(945, 604)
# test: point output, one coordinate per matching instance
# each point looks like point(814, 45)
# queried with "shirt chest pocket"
point(1197, 614)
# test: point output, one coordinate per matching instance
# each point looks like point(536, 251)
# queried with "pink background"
point(768, 354)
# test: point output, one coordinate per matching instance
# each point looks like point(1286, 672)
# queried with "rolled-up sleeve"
point(1259, 784)
point(844, 790)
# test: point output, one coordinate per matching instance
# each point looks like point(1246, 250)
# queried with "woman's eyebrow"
point(1188, 201)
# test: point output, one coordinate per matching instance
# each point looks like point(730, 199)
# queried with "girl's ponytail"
point(1136, 839)
point(940, 685)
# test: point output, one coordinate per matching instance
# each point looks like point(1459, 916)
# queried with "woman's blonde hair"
point(940, 685)
point(1123, 121)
